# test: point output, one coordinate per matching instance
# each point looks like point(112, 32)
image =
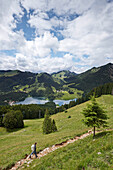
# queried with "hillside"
point(61, 85)
point(86, 153)
point(13, 79)
point(61, 75)
point(91, 78)
point(14, 145)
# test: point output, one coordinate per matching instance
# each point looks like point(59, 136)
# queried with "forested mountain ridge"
point(92, 78)
point(10, 80)
point(63, 84)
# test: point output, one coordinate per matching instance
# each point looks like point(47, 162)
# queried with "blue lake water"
point(32, 100)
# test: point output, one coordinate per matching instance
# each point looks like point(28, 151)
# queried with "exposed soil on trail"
point(27, 160)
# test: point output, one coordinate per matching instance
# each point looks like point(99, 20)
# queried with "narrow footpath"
point(27, 160)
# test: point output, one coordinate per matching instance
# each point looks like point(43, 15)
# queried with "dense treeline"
point(97, 91)
point(103, 89)
point(30, 111)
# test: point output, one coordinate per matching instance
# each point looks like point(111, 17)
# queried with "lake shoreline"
point(42, 100)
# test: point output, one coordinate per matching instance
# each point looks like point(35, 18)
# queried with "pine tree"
point(94, 115)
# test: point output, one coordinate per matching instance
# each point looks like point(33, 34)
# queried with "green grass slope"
point(14, 145)
point(87, 153)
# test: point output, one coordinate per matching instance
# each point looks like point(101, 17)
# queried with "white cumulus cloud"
point(40, 46)
point(84, 25)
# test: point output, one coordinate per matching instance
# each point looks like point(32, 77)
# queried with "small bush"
point(69, 117)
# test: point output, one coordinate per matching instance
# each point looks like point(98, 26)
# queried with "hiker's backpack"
point(32, 147)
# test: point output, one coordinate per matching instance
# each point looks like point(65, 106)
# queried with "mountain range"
point(17, 85)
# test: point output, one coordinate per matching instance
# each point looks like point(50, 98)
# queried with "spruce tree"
point(94, 115)
point(54, 128)
point(48, 125)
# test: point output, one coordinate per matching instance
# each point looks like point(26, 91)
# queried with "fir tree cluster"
point(49, 125)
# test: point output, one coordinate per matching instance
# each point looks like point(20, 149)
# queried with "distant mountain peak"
point(63, 73)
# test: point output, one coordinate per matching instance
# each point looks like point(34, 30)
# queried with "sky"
point(54, 35)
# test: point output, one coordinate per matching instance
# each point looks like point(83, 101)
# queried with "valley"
point(64, 85)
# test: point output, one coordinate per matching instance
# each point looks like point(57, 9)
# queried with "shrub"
point(19, 117)
point(13, 119)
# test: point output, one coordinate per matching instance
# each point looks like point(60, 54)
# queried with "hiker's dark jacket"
point(34, 148)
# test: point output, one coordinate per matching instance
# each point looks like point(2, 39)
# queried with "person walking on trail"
point(33, 148)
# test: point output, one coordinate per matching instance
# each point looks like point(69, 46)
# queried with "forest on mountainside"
point(16, 85)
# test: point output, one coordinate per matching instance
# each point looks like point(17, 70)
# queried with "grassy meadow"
point(87, 153)
point(68, 96)
point(14, 145)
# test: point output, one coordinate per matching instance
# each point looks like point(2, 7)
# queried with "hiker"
point(33, 148)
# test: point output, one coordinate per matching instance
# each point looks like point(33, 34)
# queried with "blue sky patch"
point(8, 52)
point(85, 55)
point(57, 54)
point(29, 32)
point(74, 59)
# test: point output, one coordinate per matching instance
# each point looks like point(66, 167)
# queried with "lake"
point(32, 100)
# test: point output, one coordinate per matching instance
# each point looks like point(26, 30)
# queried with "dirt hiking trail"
point(27, 160)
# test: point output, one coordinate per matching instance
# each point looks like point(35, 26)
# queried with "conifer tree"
point(94, 115)
point(54, 128)
point(48, 125)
